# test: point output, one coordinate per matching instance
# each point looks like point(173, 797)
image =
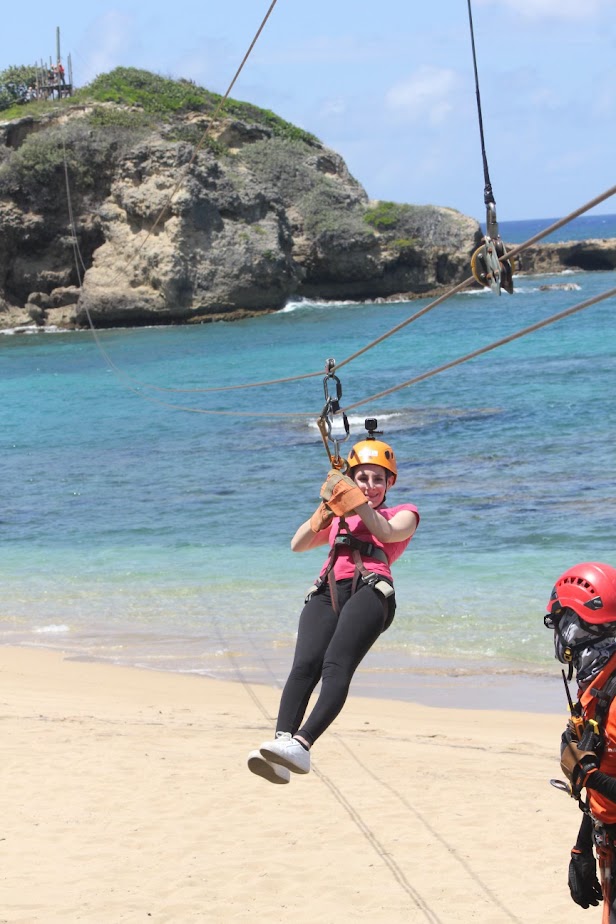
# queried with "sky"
point(389, 85)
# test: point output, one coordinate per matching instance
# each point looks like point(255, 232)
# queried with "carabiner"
point(560, 784)
point(326, 420)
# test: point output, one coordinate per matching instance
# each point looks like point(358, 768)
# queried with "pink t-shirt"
point(345, 566)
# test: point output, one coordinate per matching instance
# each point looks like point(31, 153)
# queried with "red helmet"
point(589, 589)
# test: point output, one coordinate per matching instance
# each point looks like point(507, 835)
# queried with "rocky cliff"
point(112, 217)
point(151, 225)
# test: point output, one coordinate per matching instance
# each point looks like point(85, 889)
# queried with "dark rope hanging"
point(489, 263)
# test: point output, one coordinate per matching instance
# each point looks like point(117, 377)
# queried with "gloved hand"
point(577, 765)
point(341, 494)
point(583, 883)
point(321, 518)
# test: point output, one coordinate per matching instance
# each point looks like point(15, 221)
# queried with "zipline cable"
point(488, 195)
point(215, 115)
point(490, 263)
point(486, 349)
point(415, 380)
point(394, 330)
point(218, 109)
point(132, 384)
point(137, 387)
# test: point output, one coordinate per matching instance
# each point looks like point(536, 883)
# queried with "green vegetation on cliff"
point(122, 107)
point(14, 84)
point(153, 94)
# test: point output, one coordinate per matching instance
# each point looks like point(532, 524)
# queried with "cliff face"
point(147, 225)
point(169, 233)
point(582, 255)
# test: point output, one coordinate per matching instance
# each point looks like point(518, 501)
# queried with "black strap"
point(604, 698)
point(360, 549)
point(365, 549)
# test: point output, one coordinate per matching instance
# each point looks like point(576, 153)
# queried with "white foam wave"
point(357, 421)
point(30, 329)
point(301, 304)
point(51, 629)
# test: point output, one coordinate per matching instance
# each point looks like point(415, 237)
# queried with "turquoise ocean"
point(146, 521)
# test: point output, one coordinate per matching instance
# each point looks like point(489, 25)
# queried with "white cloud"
point(427, 95)
point(563, 10)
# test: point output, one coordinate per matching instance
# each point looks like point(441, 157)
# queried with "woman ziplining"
point(350, 605)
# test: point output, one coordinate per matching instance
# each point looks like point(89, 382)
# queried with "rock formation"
point(191, 220)
point(174, 233)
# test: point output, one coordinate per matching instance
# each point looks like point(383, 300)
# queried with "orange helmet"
point(589, 589)
point(373, 452)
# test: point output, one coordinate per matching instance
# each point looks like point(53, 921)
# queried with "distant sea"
point(145, 522)
point(586, 227)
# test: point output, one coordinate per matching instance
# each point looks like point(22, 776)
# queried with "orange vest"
point(602, 808)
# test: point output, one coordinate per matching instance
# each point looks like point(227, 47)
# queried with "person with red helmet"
point(582, 614)
point(351, 603)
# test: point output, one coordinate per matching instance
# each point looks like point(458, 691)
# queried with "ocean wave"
point(52, 629)
point(413, 418)
point(30, 329)
point(302, 304)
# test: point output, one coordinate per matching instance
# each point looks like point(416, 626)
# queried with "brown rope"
point(414, 317)
point(486, 349)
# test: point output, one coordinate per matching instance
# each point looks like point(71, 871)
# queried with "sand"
point(127, 798)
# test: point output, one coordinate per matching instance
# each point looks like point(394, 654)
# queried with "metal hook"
point(489, 263)
point(326, 420)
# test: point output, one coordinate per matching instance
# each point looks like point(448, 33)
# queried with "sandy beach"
point(127, 798)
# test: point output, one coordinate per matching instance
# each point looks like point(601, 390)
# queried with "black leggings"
point(330, 648)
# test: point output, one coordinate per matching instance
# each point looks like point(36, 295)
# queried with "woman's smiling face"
point(373, 480)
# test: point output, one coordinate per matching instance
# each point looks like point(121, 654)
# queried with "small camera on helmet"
point(371, 425)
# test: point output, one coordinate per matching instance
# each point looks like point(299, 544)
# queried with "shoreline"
point(598, 255)
point(384, 675)
point(130, 799)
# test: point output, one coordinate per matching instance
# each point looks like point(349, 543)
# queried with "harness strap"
point(604, 848)
point(369, 549)
point(358, 548)
point(604, 698)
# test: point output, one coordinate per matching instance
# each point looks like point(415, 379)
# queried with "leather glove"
point(576, 764)
point(341, 494)
point(321, 518)
point(583, 883)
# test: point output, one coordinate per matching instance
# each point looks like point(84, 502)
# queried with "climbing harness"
point(326, 421)
point(345, 539)
point(590, 735)
point(490, 263)
point(359, 550)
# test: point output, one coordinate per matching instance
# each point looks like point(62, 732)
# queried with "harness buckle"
point(314, 589)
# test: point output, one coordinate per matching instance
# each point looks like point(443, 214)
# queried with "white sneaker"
point(270, 772)
point(287, 752)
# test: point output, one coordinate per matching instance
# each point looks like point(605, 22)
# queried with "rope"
point(488, 195)
point(196, 151)
point(205, 134)
point(414, 317)
point(486, 349)
point(135, 385)
point(131, 383)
